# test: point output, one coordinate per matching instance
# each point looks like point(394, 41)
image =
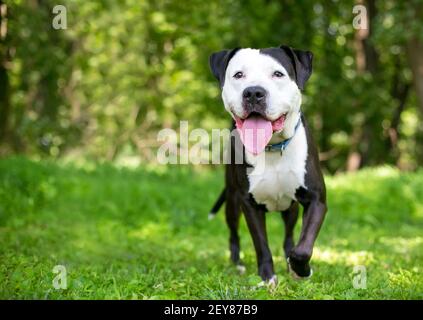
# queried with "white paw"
point(241, 269)
point(271, 283)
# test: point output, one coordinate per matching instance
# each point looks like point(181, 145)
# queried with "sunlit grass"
point(143, 233)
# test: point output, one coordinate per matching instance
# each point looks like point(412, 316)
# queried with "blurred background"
point(81, 107)
point(122, 70)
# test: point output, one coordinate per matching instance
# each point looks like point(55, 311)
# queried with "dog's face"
point(262, 86)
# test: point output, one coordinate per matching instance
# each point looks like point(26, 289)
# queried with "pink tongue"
point(255, 133)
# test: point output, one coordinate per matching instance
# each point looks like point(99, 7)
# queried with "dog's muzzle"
point(254, 100)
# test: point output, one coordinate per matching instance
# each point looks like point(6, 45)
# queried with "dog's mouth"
point(256, 131)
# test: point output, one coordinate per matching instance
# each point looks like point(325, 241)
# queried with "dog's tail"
point(218, 204)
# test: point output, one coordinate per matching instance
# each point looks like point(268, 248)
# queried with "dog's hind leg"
point(290, 217)
point(232, 219)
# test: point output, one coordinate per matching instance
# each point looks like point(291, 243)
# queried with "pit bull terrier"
point(261, 90)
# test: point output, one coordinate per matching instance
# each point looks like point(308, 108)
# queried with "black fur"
point(236, 192)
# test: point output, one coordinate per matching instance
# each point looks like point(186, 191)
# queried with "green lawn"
point(143, 234)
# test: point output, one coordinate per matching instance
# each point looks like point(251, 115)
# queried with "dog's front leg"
point(256, 222)
point(298, 260)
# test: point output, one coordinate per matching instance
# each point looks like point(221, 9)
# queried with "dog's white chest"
point(275, 177)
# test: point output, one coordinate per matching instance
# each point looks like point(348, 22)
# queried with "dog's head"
point(261, 89)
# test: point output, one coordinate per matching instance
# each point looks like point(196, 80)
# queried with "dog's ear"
point(302, 61)
point(218, 62)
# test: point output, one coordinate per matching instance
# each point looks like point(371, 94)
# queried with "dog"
point(261, 90)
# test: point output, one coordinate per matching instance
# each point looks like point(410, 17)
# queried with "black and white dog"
point(261, 91)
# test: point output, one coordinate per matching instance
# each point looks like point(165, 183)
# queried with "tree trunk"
point(415, 59)
point(4, 102)
point(399, 92)
point(367, 60)
point(4, 77)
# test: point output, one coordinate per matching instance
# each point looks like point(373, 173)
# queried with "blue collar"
point(281, 146)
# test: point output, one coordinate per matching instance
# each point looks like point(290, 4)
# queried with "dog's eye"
point(238, 75)
point(278, 74)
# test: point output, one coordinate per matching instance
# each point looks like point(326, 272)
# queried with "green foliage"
point(123, 70)
point(143, 234)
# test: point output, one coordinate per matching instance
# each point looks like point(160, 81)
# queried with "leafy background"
point(80, 110)
point(123, 70)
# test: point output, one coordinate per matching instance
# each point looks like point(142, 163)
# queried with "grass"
point(143, 234)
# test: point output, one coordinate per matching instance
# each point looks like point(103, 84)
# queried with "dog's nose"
point(254, 94)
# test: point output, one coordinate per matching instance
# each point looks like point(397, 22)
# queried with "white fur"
point(275, 177)
point(272, 283)
point(283, 93)
point(241, 268)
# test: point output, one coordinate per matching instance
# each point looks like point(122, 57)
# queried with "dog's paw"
point(304, 274)
point(241, 268)
point(273, 281)
point(270, 283)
